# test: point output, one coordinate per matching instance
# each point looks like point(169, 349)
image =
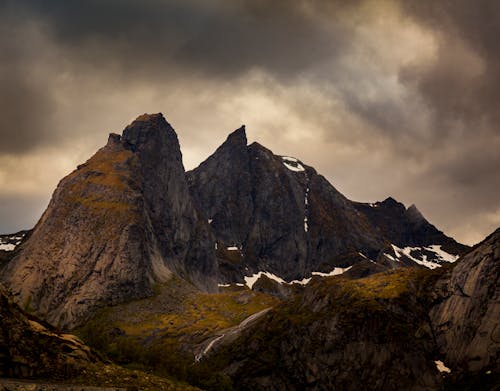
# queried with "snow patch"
point(335, 272)
point(304, 281)
point(7, 247)
point(232, 248)
point(391, 257)
point(251, 280)
point(292, 164)
point(223, 285)
point(407, 252)
point(441, 367)
point(365, 257)
point(306, 226)
point(440, 253)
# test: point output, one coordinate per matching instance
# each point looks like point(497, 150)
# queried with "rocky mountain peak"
point(414, 215)
point(148, 128)
point(117, 225)
point(390, 202)
point(236, 142)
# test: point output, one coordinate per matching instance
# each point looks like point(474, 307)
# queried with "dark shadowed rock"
point(120, 223)
point(282, 216)
point(406, 227)
point(31, 348)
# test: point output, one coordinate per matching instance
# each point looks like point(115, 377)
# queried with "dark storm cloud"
point(336, 73)
point(453, 90)
point(25, 103)
point(222, 38)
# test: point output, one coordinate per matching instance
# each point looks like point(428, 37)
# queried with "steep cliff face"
point(121, 222)
point(276, 214)
point(466, 321)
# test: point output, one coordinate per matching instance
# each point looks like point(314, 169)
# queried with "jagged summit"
point(117, 225)
point(236, 139)
point(414, 215)
point(130, 217)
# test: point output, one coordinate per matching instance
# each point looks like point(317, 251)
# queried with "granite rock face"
point(117, 225)
point(31, 348)
point(466, 321)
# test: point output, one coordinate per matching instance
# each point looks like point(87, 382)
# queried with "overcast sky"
point(384, 98)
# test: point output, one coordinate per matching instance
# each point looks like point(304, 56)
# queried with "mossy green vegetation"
point(382, 310)
point(163, 333)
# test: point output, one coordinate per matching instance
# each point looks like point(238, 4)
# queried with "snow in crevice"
point(365, 257)
point(306, 205)
point(292, 164)
point(441, 367)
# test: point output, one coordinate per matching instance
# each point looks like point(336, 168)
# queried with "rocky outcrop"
point(31, 348)
point(466, 321)
point(120, 223)
point(278, 213)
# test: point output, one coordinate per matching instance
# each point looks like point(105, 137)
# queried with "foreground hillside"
point(47, 359)
point(403, 329)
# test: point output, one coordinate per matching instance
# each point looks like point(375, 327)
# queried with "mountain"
point(130, 217)
point(116, 226)
point(412, 329)
point(277, 215)
point(249, 272)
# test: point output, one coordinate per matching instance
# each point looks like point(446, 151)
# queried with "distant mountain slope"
point(121, 222)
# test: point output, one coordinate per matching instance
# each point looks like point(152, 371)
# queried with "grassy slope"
point(162, 333)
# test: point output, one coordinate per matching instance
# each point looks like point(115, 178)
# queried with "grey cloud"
point(94, 61)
